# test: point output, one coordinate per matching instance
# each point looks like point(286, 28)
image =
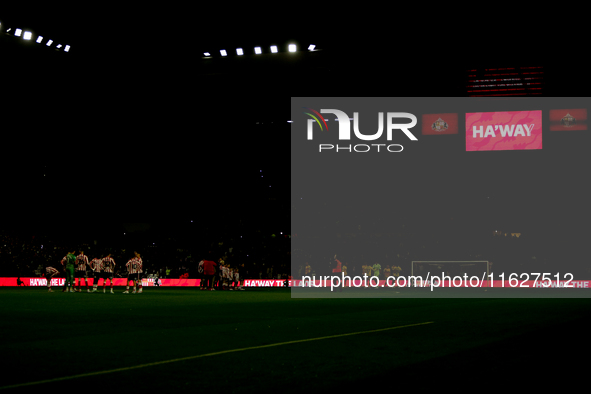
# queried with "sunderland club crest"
point(568, 120)
point(439, 125)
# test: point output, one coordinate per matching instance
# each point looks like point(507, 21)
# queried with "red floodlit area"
point(523, 81)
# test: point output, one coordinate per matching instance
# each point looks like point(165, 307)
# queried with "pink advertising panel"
point(515, 130)
point(58, 282)
point(354, 282)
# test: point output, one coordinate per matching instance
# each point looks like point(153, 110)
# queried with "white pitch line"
point(202, 355)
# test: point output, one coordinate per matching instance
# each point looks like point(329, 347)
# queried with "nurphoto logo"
point(344, 133)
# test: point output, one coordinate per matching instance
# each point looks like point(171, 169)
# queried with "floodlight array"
point(28, 36)
point(259, 50)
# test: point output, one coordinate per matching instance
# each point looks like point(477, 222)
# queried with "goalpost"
point(452, 269)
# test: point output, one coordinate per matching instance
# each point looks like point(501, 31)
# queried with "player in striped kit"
point(201, 276)
point(97, 266)
point(237, 279)
point(108, 271)
point(240, 272)
point(225, 275)
point(232, 278)
point(81, 263)
point(134, 269)
point(50, 272)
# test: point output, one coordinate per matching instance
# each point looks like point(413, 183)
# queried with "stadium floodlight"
point(59, 46)
point(239, 51)
point(290, 121)
point(27, 35)
point(311, 47)
point(17, 32)
point(257, 50)
point(39, 39)
point(67, 48)
point(292, 47)
point(223, 52)
point(49, 42)
point(9, 29)
point(274, 49)
point(207, 54)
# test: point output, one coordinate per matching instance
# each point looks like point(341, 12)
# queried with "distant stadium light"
point(59, 46)
point(239, 51)
point(207, 54)
point(290, 121)
point(311, 47)
point(292, 48)
point(274, 49)
point(223, 52)
point(67, 48)
point(17, 32)
point(49, 42)
point(27, 35)
point(39, 39)
point(258, 51)
point(9, 29)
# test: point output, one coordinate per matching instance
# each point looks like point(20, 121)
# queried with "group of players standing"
point(75, 268)
point(223, 277)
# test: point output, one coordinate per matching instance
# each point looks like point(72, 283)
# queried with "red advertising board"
point(58, 282)
point(568, 119)
point(437, 124)
point(515, 130)
point(356, 282)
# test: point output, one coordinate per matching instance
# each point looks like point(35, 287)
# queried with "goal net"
point(452, 269)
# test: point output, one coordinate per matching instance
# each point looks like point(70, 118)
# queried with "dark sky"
point(134, 123)
point(126, 126)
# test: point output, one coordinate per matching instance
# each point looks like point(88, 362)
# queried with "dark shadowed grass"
point(47, 336)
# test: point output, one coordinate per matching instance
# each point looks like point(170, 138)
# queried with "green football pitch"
point(263, 340)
